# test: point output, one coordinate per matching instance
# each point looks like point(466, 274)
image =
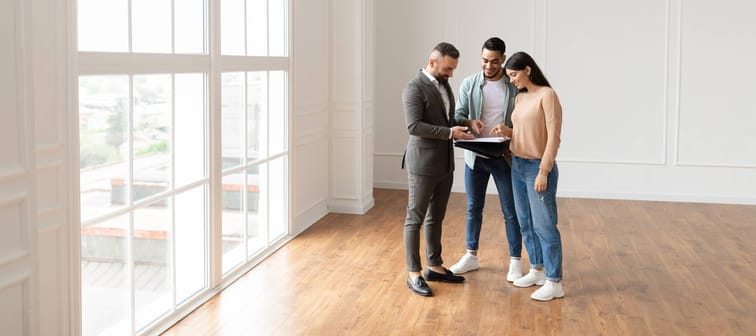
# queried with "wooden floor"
point(630, 268)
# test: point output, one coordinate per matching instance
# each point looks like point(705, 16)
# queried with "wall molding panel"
point(351, 100)
point(707, 123)
point(310, 116)
point(642, 120)
point(35, 297)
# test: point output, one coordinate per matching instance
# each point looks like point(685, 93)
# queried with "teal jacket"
point(470, 105)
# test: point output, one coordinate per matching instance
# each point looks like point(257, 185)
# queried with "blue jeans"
point(476, 182)
point(537, 213)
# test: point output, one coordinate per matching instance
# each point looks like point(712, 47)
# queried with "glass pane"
point(277, 112)
point(278, 195)
point(151, 246)
point(152, 135)
point(257, 111)
point(257, 225)
point(103, 25)
point(232, 27)
point(257, 28)
point(103, 144)
point(190, 135)
point(277, 27)
point(151, 26)
point(191, 248)
point(105, 286)
point(232, 227)
point(232, 114)
point(189, 16)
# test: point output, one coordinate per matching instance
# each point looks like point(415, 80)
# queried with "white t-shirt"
point(492, 113)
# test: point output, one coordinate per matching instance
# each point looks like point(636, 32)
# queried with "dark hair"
point(520, 60)
point(495, 44)
point(446, 49)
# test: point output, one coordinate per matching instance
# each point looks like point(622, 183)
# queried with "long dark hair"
point(520, 60)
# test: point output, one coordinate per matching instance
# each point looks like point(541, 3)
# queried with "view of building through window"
point(144, 134)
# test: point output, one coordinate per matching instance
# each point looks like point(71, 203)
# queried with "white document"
point(486, 139)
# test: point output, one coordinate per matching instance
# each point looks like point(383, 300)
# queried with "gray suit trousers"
point(428, 196)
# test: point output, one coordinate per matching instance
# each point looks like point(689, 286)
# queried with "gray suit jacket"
point(429, 149)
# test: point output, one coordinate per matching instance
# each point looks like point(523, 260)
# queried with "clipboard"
point(486, 147)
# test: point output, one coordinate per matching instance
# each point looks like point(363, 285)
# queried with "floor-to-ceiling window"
point(183, 134)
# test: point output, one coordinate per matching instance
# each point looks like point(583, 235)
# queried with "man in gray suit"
point(429, 160)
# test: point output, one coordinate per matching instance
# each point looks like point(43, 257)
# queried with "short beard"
point(442, 80)
point(491, 77)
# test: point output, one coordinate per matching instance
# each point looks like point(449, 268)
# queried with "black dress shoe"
point(448, 276)
point(418, 286)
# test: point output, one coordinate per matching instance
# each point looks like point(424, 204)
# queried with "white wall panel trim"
point(309, 216)
point(49, 149)
point(13, 173)
point(306, 138)
point(610, 162)
point(14, 199)
point(17, 275)
point(667, 80)
point(51, 165)
point(50, 220)
point(12, 263)
point(385, 154)
point(351, 206)
point(694, 198)
point(678, 96)
point(715, 164)
point(308, 109)
point(390, 185)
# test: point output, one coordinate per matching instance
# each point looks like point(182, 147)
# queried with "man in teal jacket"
point(487, 98)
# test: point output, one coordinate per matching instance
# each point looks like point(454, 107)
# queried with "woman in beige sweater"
point(536, 125)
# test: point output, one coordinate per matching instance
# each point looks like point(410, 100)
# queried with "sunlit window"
point(253, 27)
point(253, 113)
point(146, 116)
point(147, 182)
point(134, 221)
point(142, 26)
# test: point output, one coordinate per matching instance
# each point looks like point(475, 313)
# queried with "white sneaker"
point(548, 292)
point(467, 263)
point(515, 272)
point(534, 277)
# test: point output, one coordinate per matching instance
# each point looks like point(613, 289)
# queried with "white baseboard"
point(352, 206)
point(658, 197)
point(310, 216)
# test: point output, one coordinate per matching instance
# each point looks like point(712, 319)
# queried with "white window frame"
point(213, 64)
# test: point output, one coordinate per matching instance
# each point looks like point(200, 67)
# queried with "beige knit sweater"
point(537, 124)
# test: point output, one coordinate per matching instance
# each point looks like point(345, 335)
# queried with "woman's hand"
point(541, 181)
point(502, 130)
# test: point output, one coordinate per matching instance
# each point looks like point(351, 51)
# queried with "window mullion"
point(172, 147)
point(216, 245)
point(244, 172)
point(130, 197)
point(130, 27)
point(267, 153)
point(173, 26)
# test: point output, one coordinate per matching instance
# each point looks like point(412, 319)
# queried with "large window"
point(254, 139)
point(153, 104)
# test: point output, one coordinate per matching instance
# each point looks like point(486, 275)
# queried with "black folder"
point(485, 149)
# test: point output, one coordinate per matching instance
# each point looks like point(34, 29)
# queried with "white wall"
point(332, 111)
point(656, 94)
point(36, 227)
point(309, 112)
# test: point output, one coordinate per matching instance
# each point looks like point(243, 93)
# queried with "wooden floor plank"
point(630, 268)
